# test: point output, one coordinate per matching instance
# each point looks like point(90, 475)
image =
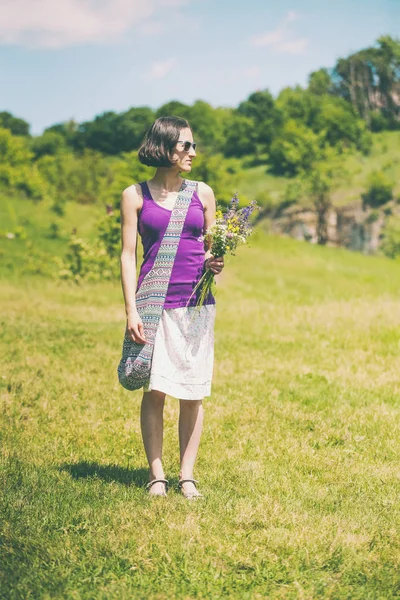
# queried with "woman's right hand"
point(134, 327)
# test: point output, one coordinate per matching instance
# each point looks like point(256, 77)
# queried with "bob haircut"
point(159, 141)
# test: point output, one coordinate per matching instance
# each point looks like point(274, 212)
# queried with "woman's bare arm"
point(130, 206)
point(208, 199)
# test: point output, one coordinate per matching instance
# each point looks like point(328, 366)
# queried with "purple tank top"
point(189, 261)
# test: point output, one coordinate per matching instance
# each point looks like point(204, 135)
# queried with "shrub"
point(390, 245)
point(372, 217)
point(109, 231)
point(378, 121)
point(379, 190)
point(85, 261)
point(54, 230)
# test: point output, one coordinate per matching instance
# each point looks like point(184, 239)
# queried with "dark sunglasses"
point(187, 145)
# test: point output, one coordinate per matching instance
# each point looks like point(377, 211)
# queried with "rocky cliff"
point(352, 226)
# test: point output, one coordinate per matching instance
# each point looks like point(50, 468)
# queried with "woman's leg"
point(151, 421)
point(191, 417)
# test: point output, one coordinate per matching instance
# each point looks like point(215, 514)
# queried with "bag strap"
point(150, 297)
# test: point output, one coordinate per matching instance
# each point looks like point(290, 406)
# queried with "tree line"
point(293, 134)
point(338, 108)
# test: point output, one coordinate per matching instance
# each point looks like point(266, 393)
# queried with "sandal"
point(189, 495)
point(165, 481)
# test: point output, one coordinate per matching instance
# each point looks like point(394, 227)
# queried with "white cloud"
point(282, 40)
point(152, 27)
point(253, 71)
point(59, 23)
point(291, 16)
point(174, 3)
point(171, 19)
point(293, 46)
point(270, 38)
point(161, 68)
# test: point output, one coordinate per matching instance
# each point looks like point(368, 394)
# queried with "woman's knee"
point(190, 404)
point(154, 396)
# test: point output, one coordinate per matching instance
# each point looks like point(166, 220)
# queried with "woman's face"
point(181, 157)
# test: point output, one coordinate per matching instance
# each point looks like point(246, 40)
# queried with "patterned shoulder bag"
point(135, 365)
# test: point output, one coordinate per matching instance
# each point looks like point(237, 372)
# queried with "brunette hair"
point(160, 140)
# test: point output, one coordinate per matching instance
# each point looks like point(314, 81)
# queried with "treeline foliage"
point(290, 133)
point(369, 80)
point(294, 134)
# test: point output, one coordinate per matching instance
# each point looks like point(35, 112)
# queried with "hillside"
point(299, 457)
point(48, 234)
point(384, 156)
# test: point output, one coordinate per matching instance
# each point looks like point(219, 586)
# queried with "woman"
point(183, 355)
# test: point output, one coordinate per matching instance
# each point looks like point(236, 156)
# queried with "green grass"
point(299, 459)
point(34, 254)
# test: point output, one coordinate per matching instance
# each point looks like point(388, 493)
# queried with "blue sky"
point(77, 58)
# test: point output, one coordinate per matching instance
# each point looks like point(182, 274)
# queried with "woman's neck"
point(167, 180)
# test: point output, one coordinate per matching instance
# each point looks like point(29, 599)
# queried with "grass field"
point(299, 459)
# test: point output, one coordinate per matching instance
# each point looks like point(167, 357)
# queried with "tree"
point(318, 183)
point(208, 125)
point(296, 149)
point(70, 131)
point(219, 172)
point(176, 108)
point(388, 71)
point(133, 126)
point(14, 124)
point(320, 83)
point(113, 133)
point(298, 104)
point(260, 108)
point(49, 143)
point(370, 80)
point(240, 137)
point(337, 122)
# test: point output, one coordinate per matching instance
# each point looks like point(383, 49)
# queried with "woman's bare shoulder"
point(206, 194)
point(132, 198)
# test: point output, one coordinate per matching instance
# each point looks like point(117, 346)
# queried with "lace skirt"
point(183, 358)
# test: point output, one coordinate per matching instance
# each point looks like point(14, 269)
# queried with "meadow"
point(299, 460)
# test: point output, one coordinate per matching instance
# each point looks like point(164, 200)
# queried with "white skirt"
point(183, 357)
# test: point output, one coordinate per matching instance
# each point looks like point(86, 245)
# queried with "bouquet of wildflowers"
point(229, 231)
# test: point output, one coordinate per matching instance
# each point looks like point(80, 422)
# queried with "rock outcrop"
point(351, 226)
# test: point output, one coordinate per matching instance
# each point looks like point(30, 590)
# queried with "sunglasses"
point(187, 145)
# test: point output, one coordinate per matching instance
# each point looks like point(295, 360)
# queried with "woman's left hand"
point(215, 264)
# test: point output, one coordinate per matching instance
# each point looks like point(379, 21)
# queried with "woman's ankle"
point(156, 475)
point(186, 475)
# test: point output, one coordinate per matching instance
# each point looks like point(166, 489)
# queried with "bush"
point(16, 169)
point(54, 230)
point(85, 261)
point(379, 190)
point(372, 217)
point(378, 121)
point(109, 231)
point(390, 245)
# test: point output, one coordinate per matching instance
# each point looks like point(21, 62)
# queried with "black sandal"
point(189, 495)
point(165, 481)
